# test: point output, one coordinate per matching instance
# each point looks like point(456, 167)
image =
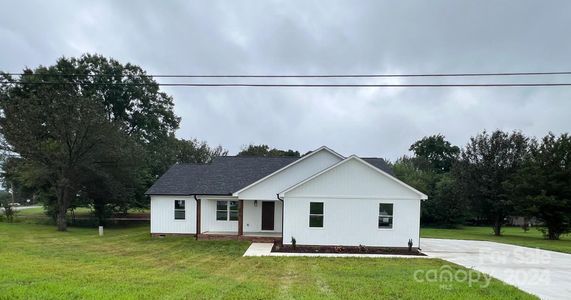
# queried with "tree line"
point(494, 176)
point(97, 141)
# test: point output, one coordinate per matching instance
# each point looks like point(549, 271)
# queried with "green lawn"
point(38, 213)
point(30, 211)
point(510, 235)
point(80, 211)
point(36, 262)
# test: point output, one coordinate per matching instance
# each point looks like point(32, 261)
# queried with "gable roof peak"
point(327, 149)
point(364, 162)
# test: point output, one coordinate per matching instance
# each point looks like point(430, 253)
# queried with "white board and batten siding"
point(268, 187)
point(351, 193)
point(162, 215)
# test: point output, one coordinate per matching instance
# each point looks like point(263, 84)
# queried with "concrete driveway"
point(546, 274)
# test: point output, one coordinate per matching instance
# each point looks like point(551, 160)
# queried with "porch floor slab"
point(265, 249)
point(260, 233)
point(251, 236)
point(263, 233)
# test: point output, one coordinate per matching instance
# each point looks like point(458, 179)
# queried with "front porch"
point(227, 218)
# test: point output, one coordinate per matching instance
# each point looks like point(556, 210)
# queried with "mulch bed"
point(345, 250)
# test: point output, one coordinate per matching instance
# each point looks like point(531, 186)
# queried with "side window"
point(385, 215)
point(316, 214)
point(221, 210)
point(179, 209)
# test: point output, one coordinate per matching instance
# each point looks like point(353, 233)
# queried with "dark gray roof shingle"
point(226, 175)
point(223, 176)
point(380, 164)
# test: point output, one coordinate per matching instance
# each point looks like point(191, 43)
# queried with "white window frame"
point(392, 217)
point(322, 215)
point(227, 210)
point(180, 210)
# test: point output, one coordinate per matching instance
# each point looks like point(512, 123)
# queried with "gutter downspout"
point(198, 219)
point(419, 223)
point(283, 215)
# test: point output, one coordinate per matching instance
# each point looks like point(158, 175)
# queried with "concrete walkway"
point(259, 249)
point(546, 274)
point(265, 249)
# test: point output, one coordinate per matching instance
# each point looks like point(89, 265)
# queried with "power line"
point(301, 76)
point(263, 85)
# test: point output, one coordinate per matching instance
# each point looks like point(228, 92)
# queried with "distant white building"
point(321, 198)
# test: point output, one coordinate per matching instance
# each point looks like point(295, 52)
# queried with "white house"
point(321, 198)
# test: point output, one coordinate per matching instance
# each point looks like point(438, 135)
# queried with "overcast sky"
point(319, 37)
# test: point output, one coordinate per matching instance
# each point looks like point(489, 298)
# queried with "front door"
point(268, 215)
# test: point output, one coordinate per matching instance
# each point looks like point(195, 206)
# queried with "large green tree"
point(415, 172)
point(126, 123)
point(60, 133)
point(429, 171)
point(439, 152)
point(72, 123)
point(486, 164)
point(543, 186)
point(131, 99)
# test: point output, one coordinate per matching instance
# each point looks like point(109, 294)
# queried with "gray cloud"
point(299, 37)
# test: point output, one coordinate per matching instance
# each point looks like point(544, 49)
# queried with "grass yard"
point(510, 235)
point(79, 212)
point(32, 211)
point(36, 262)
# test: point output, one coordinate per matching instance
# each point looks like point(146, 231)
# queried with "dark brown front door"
point(268, 215)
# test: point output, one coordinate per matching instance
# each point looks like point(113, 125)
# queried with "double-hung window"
point(227, 210)
point(316, 214)
point(179, 209)
point(385, 215)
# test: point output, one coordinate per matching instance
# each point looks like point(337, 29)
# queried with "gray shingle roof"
point(226, 175)
point(223, 176)
point(380, 164)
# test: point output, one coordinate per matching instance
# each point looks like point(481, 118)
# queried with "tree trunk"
point(61, 221)
point(99, 210)
point(63, 199)
point(498, 226)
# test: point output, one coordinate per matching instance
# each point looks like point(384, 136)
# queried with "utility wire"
point(476, 85)
point(303, 76)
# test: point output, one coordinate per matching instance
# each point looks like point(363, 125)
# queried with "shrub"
point(293, 242)
point(9, 212)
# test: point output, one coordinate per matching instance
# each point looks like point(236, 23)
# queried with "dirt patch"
point(346, 250)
